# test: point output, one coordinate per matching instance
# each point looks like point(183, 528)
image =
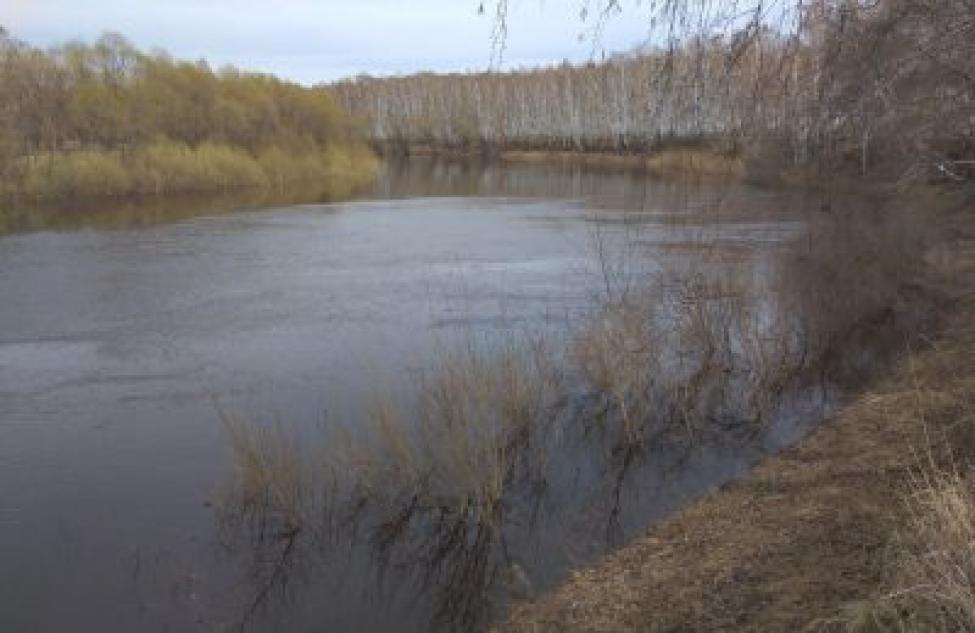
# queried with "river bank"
point(816, 537)
point(678, 161)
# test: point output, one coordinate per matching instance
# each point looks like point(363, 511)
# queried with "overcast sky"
point(320, 40)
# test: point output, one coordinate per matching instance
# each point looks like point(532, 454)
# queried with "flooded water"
point(126, 329)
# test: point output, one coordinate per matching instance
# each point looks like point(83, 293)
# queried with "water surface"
point(125, 328)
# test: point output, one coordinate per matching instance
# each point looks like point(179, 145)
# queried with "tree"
point(106, 98)
point(880, 86)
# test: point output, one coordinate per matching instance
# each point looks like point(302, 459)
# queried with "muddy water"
point(125, 328)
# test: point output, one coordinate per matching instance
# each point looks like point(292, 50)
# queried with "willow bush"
point(106, 119)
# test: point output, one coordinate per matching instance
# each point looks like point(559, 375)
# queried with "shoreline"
point(166, 168)
point(675, 162)
point(678, 161)
point(809, 535)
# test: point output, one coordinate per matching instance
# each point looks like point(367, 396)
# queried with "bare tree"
point(880, 87)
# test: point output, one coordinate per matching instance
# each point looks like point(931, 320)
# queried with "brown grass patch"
point(681, 161)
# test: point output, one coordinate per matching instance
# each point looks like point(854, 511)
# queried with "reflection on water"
point(415, 178)
point(140, 212)
point(131, 351)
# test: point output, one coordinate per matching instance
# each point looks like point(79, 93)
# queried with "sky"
point(312, 41)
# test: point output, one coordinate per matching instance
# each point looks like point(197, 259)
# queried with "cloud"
point(318, 40)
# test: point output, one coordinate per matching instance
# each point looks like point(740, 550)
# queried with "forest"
point(872, 88)
point(107, 119)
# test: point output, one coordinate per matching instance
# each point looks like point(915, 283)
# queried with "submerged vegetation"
point(108, 120)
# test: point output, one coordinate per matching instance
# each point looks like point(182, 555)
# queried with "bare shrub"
point(474, 410)
point(271, 478)
point(850, 280)
point(270, 503)
point(680, 348)
point(619, 358)
point(433, 480)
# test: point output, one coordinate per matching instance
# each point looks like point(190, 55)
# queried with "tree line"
point(108, 118)
point(631, 102)
point(880, 86)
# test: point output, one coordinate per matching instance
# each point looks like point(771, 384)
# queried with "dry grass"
point(588, 159)
point(678, 161)
point(476, 409)
point(938, 560)
point(270, 508)
point(434, 480)
point(271, 483)
point(697, 162)
point(931, 584)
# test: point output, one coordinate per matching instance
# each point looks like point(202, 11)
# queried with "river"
point(126, 328)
